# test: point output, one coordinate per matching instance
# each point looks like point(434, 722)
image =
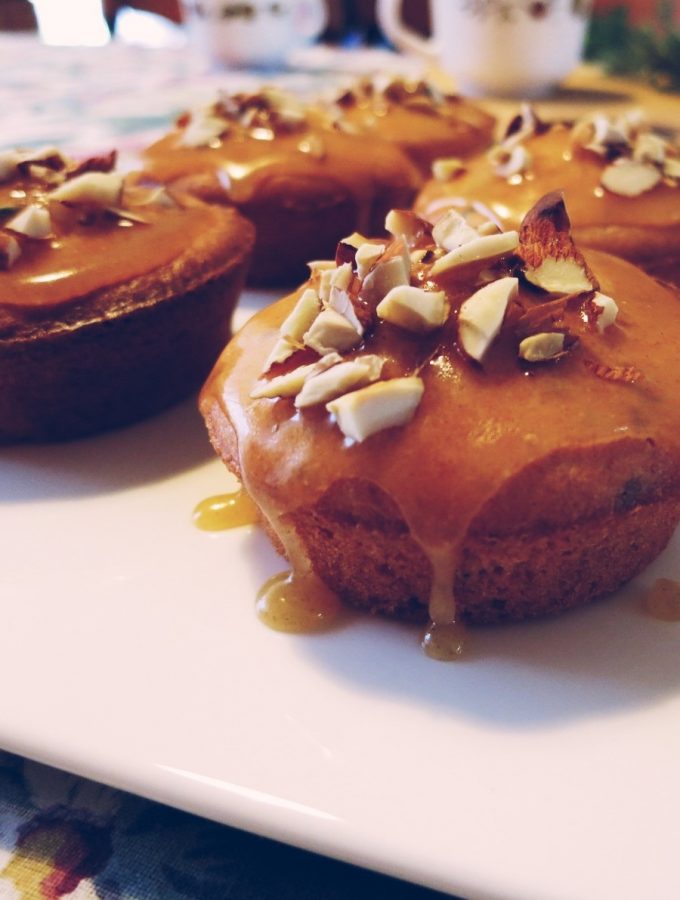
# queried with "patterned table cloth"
point(64, 836)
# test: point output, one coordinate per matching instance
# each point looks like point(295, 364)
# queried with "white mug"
point(503, 48)
point(258, 33)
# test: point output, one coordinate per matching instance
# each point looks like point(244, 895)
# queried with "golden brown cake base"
point(125, 351)
point(572, 481)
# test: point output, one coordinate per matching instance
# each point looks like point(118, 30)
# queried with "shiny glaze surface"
point(453, 128)
point(83, 256)
point(300, 163)
point(476, 428)
point(556, 166)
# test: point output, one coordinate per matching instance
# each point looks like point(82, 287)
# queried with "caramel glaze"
point(455, 128)
point(476, 429)
point(56, 276)
point(305, 169)
point(225, 511)
point(597, 216)
point(662, 600)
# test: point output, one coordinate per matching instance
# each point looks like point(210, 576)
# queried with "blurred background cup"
point(253, 33)
point(502, 48)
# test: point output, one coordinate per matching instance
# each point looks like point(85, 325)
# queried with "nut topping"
point(10, 251)
point(382, 405)
point(100, 190)
point(492, 246)
point(481, 316)
point(374, 290)
point(543, 347)
point(407, 225)
point(447, 168)
point(607, 308)
point(452, 231)
point(630, 178)
point(291, 383)
point(300, 320)
point(510, 161)
point(33, 221)
point(367, 256)
point(339, 379)
point(551, 259)
point(414, 309)
point(331, 332)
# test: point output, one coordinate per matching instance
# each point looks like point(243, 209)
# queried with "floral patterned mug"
point(504, 48)
point(254, 33)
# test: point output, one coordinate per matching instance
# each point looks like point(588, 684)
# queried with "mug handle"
point(389, 19)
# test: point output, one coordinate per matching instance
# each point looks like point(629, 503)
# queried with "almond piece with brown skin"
point(552, 260)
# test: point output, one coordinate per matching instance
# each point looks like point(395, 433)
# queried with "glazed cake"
point(115, 298)
point(302, 183)
point(620, 181)
point(460, 423)
point(415, 115)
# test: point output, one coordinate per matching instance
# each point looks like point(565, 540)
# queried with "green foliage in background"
point(649, 51)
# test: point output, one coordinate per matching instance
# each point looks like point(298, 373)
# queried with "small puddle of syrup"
point(662, 600)
point(297, 605)
point(225, 511)
point(445, 642)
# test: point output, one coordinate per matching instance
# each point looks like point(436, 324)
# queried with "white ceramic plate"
point(543, 765)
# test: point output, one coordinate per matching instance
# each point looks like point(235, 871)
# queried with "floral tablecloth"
point(63, 836)
point(60, 835)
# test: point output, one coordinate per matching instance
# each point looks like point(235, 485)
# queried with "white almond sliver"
point(355, 239)
point(101, 189)
point(384, 276)
point(650, 148)
point(414, 309)
point(452, 231)
point(541, 347)
point(403, 223)
point(481, 316)
point(367, 256)
point(281, 351)
point(290, 384)
point(320, 265)
point(340, 302)
point(342, 276)
point(382, 405)
point(609, 308)
point(339, 380)
point(299, 320)
point(629, 178)
point(331, 332)
point(10, 251)
point(33, 221)
point(446, 168)
point(671, 167)
point(335, 276)
point(492, 246)
point(509, 161)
